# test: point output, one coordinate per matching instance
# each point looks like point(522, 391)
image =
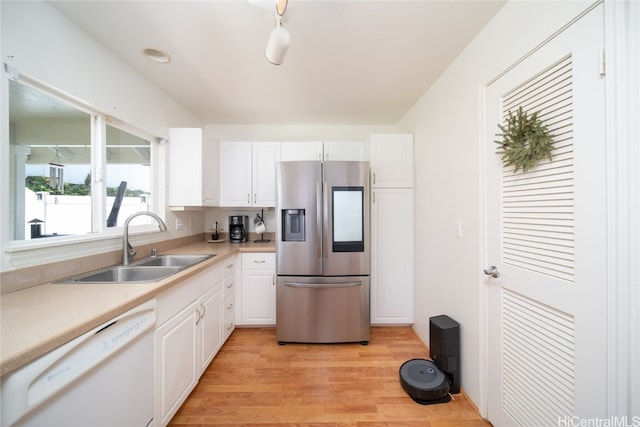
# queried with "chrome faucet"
point(127, 250)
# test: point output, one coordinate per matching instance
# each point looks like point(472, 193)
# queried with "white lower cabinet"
point(209, 326)
point(176, 363)
point(392, 256)
point(258, 288)
point(189, 334)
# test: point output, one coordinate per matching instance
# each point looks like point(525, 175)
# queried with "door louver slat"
point(538, 206)
point(538, 361)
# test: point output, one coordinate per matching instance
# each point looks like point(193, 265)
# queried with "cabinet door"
point(303, 150)
point(185, 167)
point(258, 294)
point(345, 150)
point(392, 256)
point(209, 326)
point(391, 160)
point(176, 363)
point(210, 178)
point(265, 155)
point(259, 297)
point(235, 173)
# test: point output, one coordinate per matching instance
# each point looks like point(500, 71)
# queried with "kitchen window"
point(73, 171)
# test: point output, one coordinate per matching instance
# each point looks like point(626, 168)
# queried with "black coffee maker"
point(238, 228)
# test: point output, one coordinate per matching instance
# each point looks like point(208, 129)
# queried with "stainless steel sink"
point(151, 269)
point(173, 260)
point(124, 274)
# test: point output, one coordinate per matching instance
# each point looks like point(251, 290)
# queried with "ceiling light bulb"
point(277, 45)
point(281, 6)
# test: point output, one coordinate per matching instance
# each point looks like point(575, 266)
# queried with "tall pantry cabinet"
point(392, 229)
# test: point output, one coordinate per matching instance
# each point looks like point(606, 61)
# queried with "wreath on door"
point(525, 141)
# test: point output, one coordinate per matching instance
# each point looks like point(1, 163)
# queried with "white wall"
point(447, 123)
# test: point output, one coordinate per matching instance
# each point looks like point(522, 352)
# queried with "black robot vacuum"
point(424, 382)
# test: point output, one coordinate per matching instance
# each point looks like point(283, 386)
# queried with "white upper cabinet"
point(193, 168)
point(235, 173)
point(330, 150)
point(265, 156)
point(345, 150)
point(304, 150)
point(247, 173)
point(391, 160)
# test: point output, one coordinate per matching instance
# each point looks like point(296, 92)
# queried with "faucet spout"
point(127, 250)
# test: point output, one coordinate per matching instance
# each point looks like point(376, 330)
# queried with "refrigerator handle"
point(322, 285)
point(325, 221)
point(319, 219)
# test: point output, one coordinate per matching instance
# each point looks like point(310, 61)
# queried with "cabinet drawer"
point(229, 287)
point(229, 326)
point(259, 261)
point(229, 266)
point(228, 307)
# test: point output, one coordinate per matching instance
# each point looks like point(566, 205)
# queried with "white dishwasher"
point(102, 378)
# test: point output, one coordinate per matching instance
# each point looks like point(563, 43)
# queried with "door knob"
point(492, 271)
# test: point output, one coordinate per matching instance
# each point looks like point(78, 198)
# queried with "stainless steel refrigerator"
point(322, 252)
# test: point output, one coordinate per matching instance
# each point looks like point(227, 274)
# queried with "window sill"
point(29, 253)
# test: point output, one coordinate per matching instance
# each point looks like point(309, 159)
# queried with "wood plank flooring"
point(254, 381)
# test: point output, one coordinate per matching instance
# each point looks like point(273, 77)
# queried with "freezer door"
point(322, 309)
point(346, 219)
point(299, 218)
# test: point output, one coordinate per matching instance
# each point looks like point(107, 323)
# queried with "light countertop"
point(36, 320)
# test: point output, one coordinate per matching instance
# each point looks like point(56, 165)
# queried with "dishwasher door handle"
point(322, 285)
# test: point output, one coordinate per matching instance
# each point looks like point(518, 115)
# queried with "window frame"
point(24, 253)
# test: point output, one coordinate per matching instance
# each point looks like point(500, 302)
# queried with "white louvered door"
point(546, 235)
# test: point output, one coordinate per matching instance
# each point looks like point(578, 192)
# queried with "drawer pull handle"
point(200, 316)
point(259, 261)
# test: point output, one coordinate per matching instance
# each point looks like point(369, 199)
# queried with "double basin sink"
point(151, 269)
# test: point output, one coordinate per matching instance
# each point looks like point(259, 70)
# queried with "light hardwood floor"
point(254, 381)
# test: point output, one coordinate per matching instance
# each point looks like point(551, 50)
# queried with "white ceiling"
point(349, 62)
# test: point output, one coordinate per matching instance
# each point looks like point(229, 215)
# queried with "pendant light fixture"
point(278, 43)
point(279, 39)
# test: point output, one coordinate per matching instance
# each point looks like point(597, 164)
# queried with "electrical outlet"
point(179, 224)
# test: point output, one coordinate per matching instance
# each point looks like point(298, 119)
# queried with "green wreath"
point(525, 141)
